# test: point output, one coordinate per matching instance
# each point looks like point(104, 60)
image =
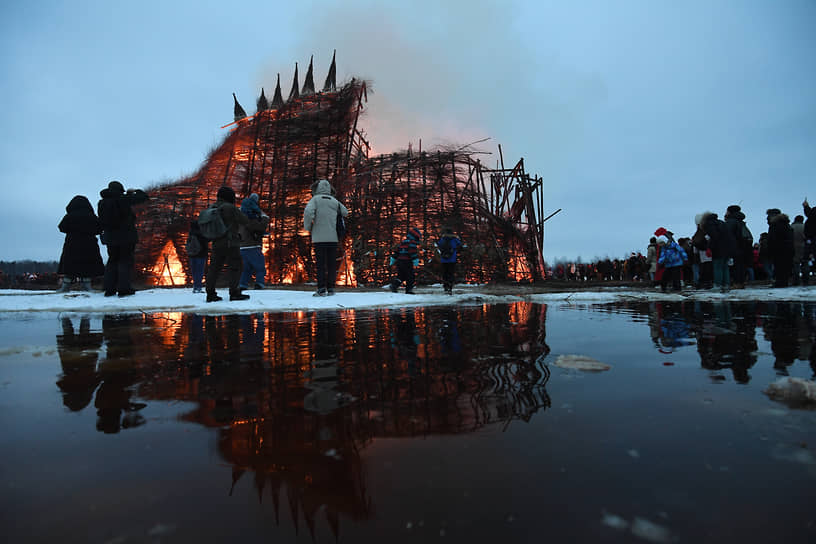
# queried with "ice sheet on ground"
point(183, 300)
point(581, 362)
point(793, 391)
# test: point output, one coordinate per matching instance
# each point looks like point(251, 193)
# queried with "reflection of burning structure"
point(295, 398)
point(285, 146)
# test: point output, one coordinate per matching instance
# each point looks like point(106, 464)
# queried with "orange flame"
point(168, 269)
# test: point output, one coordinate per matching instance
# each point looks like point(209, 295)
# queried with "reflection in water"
point(296, 397)
point(725, 333)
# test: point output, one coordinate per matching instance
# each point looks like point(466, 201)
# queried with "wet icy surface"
point(410, 425)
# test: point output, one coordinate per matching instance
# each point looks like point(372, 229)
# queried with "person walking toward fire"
point(405, 258)
point(197, 249)
point(80, 259)
point(320, 220)
point(448, 245)
point(251, 243)
point(225, 250)
point(119, 235)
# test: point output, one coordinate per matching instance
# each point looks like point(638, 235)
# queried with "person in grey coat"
point(320, 219)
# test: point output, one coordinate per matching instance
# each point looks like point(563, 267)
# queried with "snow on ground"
point(184, 300)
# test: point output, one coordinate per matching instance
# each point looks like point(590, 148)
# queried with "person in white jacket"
point(320, 219)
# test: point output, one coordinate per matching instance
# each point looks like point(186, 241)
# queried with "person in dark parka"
point(780, 246)
point(80, 259)
point(119, 235)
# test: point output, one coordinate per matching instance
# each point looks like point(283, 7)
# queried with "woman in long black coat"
point(80, 259)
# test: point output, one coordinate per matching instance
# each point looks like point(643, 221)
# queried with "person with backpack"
point(225, 243)
point(405, 257)
point(320, 219)
point(448, 245)
point(251, 243)
point(197, 249)
point(80, 259)
point(119, 235)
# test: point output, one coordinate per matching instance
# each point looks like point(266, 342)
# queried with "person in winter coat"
point(810, 237)
point(320, 219)
point(735, 221)
point(226, 250)
point(672, 257)
point(405, 258)
point(80, 259)
point(800, 264)
point(251, 243)
point(197, 249)
point(721, 242)
point(780, 246)
point(448, 246)
point(651, 258)
point(119, 235)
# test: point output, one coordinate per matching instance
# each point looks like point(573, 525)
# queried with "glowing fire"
point(168, 269)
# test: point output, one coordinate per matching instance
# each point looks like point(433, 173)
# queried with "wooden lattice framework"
point(284, 147)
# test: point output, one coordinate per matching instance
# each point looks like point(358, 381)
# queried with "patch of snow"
point(580, 362)
point(793, 391)
point(181, 299)
point(614, 521)
point(650, 531)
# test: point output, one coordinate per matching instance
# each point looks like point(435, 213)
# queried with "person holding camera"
point(119, 235)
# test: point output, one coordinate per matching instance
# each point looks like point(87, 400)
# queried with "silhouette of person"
point(78, 352)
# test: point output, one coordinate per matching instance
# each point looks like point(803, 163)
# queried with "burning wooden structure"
point(285, 146)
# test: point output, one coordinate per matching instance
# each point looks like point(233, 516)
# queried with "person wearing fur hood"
point(714, 235)
point(320, 219)
point(780, 246)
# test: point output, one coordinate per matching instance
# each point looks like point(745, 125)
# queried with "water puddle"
point(625, 422)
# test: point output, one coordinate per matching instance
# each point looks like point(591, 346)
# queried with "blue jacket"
point(672, 255)
point(455, 244)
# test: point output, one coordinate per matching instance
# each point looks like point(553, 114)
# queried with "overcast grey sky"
point(638, 114)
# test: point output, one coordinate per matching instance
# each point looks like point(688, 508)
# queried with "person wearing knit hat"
point(226, 249)
point(119, 235)
point(405, 257)
point(448, 245)
point(251, 244)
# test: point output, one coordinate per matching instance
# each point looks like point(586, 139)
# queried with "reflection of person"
point(78, 352)
point(80, 259)
point(114, 408)
point(320, 219)
point(119, 235)
point(726, 337)
point(226, 250)
point(322, 378)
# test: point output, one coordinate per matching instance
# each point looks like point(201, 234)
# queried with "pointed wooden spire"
point(277, 100)
point(308, 84)
point(331, 79)
point(237, 111)
point(263, 103)
point(295, 92)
